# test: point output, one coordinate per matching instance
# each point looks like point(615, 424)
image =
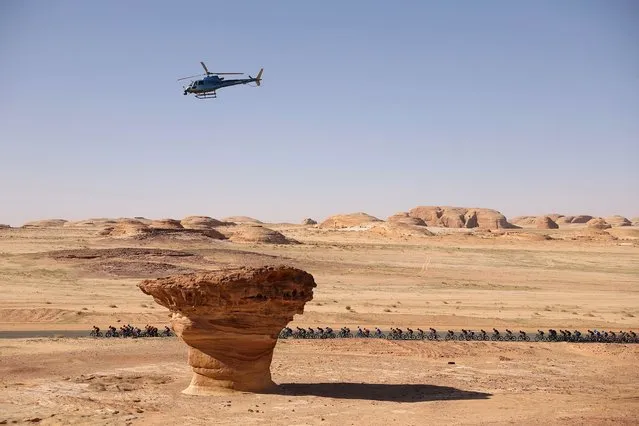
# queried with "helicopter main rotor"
point(206, 70)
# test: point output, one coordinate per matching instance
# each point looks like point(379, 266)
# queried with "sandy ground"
point(372, 382)
point(71, 278)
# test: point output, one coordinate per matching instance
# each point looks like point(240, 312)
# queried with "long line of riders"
point(130, 331)
point(551, 335)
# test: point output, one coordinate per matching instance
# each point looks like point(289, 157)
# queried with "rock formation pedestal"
point(230, 320)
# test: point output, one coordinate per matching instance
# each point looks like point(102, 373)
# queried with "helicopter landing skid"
point(212, 95)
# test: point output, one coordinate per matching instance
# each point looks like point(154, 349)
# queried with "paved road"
point(42, 333)
point(81, 333)
point(73, 333)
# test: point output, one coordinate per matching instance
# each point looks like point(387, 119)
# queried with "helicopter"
point(206, 87)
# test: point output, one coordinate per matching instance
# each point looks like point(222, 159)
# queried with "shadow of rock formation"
point(379, 392)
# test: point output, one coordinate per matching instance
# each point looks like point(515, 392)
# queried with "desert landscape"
point(442, 267)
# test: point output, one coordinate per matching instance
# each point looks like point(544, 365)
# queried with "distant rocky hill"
point(347, 220)
point(242, 219)
point(461, 217)
point(569, 221)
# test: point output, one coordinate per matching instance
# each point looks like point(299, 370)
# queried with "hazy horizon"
point(527, 109)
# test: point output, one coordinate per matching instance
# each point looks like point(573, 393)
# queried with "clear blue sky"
point(525, 107)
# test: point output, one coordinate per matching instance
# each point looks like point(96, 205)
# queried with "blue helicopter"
point(206, 87)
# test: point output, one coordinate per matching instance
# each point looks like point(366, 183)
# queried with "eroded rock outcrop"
point(166, 228)
point(251, 233)
point(625, 232)
point(454, 217)
point(618, 221)
point(404, 218)
point(429, 214)
point(166, 224)
point(398, 230)
point(461, 217)
point(523, 220)
point(309, 221)
point(524, 236)
point(230, 319)
point(545, 222)
point(590, 234)
point(90, 223)
point(47, 223)
point(348, 220)
point(241, 219)
point(582, 218)
point(598, 223)
point(126, 228)
point(564, 220)
point(201, 222)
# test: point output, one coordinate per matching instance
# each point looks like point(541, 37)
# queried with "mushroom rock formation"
point(545, 222)
point(582, 218)
point(309, 221)
point(618, 221)
point(230, 319)
point(598, 223)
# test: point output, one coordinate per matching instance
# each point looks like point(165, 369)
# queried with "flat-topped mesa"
point(230, 319)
